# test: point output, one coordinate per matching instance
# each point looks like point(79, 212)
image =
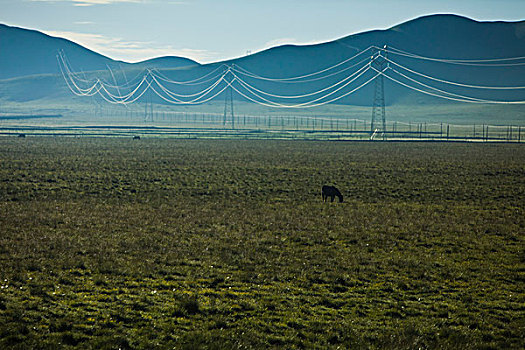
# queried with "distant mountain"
point(27, 52)
point(24, 52)
point(440, 36)
point(166, 62)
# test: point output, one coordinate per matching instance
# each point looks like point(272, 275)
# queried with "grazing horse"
point(136, 137)
point(331, 191)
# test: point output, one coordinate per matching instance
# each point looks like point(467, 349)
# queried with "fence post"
point(448, 131)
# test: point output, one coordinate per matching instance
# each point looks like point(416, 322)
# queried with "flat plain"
point(162, 243)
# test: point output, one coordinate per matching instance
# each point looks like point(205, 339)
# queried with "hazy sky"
point(207, 30)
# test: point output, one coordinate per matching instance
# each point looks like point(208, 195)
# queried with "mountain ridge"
point(442, 35)
point(29, 52)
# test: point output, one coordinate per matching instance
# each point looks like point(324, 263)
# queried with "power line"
point(305, 105)
point(434, 88)
point(462, 99)
point(228, 107)
point(295, 80)
point(305, 75)
point(464, 62)
point(456, 83)
point(197, 81)
point(251, 87)
point(216, 83)
point(378, 123)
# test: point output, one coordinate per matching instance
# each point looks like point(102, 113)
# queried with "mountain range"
point(29, 52)
point(29, 69)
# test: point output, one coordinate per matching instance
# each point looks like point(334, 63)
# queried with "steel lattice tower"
point(148, 107)
point(378, 124)
point(228, 107)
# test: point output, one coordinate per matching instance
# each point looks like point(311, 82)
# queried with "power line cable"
point(303, 105)
point(456, 83)
point(479, 63)
point(461, 60)
point(463, 99)
point(191, 103)
point(243, 82)
point(246, 73)
point(305, 75)
point(200, 94)
point(435, 89)
point(196, 81)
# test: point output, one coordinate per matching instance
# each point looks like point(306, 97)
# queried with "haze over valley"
point(31, 77)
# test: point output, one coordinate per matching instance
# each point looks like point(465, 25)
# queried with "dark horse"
point(331, 191)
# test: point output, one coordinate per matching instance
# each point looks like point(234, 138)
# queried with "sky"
point(215, 30)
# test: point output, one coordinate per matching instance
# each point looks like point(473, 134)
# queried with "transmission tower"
point(148, 107)
point(378, 124)
point(97, 107)
point(228, 107)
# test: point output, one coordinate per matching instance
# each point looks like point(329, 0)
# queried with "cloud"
point(131, 51)
point(100, 2)
point(107, 2)
point(90, 2)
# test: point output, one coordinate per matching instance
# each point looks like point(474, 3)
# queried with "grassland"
point(161, 243)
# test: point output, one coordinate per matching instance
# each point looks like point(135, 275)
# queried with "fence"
point(282, 126)
point(329, 126)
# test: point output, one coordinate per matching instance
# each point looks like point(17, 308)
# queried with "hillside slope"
point(28, 52)
point(437, 36)
point(440, 36)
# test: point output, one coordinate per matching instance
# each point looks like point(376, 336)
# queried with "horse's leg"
point(332, 199)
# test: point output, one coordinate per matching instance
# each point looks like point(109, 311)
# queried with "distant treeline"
point(31, 116)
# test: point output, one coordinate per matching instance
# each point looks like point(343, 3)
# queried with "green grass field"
point(162, 243)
